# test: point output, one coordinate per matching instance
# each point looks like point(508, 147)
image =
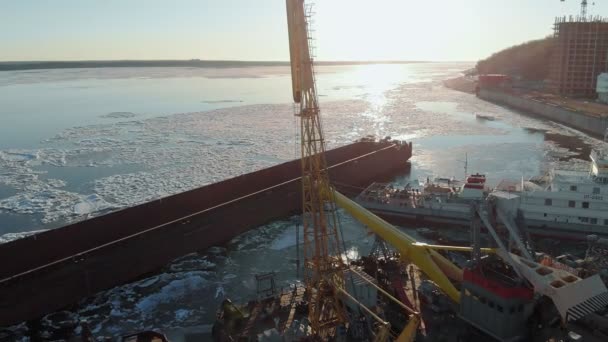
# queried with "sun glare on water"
point(379, 80)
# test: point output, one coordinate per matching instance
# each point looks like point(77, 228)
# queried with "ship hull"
point(422, 217)
point(56, 268)
point(418, 217)
point(563, 230)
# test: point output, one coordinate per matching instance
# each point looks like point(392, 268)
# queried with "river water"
point(78, 143)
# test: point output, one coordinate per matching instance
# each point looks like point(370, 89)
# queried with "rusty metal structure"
point(580, 55)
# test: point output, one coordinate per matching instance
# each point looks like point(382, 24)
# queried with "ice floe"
point(221, 101)
point(118, 115)
point(182, 315)
point(53, 203)
point(14, 236)
point(175, 290)
point(90, 204)
point(180, 152)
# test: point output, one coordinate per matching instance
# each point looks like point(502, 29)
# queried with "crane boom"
point(323, 263)
point(434, 265)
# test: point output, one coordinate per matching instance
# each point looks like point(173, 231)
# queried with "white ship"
point(568, 204)
point(561, 204)
point(439, 201)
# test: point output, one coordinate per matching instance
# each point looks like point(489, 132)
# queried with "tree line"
point(529, 60)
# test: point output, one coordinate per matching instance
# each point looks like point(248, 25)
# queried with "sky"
point(345, 30)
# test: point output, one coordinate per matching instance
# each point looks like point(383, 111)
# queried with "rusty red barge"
point(55, 269)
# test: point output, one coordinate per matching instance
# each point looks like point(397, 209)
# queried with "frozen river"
point(76, 143)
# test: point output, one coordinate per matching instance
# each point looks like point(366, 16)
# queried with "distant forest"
point(193, 63)
point(529, 60)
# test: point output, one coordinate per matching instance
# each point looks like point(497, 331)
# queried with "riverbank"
point(586, 116)
point(461, 83)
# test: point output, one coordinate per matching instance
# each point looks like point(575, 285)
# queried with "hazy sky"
point(256, 29)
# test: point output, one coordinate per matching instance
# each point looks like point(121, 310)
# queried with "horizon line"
point(192, 63)
point(226, 60)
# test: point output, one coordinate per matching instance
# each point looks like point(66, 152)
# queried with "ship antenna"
point(466, 165)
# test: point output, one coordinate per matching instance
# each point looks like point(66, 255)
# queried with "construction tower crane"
point(584, 4)
point(323, 264)
point(583, 8)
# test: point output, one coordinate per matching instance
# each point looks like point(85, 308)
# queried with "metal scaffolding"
point(581, 54)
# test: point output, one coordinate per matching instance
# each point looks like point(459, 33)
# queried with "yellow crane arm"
point(299, 51)
point(411, 329)
point(409, 332)
point(454, 248)
point(433, 264)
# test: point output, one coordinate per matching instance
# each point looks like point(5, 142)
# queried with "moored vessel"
point(437, 201)
point(564, 203)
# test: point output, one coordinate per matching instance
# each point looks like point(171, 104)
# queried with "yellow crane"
point(324, 265)
point(425, 257)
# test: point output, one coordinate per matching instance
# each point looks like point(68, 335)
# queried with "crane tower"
point(584, 4)
point(583, 8)
point(323, 263)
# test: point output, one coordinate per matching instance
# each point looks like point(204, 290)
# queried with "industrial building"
point(580, 56)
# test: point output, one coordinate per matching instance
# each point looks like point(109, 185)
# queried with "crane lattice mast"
point(584, 4)
point(323, 264)
point(583, 8)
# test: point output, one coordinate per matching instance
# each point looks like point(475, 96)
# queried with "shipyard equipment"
point(323, 264)
point(328, 307)
point(573, 296)
point(596, 256)
point(497, 293)
point(499, 307)
point(434, 265)
point(334, 310)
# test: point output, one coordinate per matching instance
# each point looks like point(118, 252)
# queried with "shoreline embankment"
point(586, 116)
point(461, 83)
point(594, 124)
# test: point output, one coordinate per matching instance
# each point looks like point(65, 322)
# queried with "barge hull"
point(57, 268)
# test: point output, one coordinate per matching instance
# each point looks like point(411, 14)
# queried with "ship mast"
point(323, 263)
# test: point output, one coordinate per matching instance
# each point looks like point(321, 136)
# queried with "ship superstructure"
point(569, 202)
point(437, 201)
